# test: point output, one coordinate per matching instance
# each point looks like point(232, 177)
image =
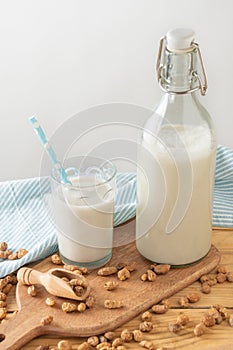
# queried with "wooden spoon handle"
point(29, 276)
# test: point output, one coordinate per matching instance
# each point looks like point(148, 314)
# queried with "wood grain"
point(217, 337)
point(138, 296)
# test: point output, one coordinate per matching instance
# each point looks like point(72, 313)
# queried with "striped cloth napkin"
point(25, 221)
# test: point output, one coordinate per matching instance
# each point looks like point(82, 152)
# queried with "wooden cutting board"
point(137, 296)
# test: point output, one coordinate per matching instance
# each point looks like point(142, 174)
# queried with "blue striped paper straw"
point(41, 135)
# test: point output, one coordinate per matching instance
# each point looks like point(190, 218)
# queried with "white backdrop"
point(59, 57)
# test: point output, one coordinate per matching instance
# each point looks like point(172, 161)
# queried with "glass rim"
point(105, 181)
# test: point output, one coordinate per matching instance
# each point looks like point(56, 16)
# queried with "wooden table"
point(216, 337)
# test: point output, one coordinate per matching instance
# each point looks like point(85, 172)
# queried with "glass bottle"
point(176, 160)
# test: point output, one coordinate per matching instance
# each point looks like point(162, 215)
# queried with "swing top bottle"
point(176, 160)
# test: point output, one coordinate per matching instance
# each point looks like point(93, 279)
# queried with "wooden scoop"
point(53, 282)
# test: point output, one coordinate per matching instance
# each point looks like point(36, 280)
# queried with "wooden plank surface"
point(217, 337)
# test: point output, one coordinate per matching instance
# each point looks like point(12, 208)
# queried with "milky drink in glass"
point(83, 214)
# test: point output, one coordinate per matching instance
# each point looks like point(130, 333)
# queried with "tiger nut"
point(21, 252)
point(32, 291)
point(206, 288)
point(68, 307)
point(159, 309)
point(64, 345)
point(137, 335)
point(50, 301)
point(147, 344)
point(81, 307)
point(199, 329)
point(151, 275)
point(146, 316)
point(182, 319)
point(93, 341)
point(46, 320)
point(56, 259)
point(161, 269)
point(208, 320)
point(146, 326)
point(2, 296)
point(109, 335)
point(123, 274)
point(126, 335)
point(3, 246)
point(107, 271)
point(193, 297)
point(2, 313)
point(111, 285)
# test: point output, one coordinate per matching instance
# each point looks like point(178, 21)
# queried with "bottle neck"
point(178, 71)
point(179, 108)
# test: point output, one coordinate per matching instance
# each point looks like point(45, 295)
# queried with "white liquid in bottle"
point(175, 186)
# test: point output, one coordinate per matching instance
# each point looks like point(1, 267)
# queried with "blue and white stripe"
point(25, 221)
point(43, 140)
point(125, 200)
point(223, 189)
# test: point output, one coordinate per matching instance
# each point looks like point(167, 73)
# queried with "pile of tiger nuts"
point(213, 316)
point(110, 340)
point(6, 253)
point(154, 270)
point(216, 313)
point(113, 340)
point(220, 276)
point(6, 284)
point(122, 270)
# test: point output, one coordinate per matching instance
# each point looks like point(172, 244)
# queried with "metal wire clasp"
point(159, 66)
point(202, 85)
